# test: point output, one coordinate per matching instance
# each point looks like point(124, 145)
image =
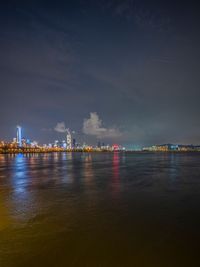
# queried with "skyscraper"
point(19, 136)
point(69, 139)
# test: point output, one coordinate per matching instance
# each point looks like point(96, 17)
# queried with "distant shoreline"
point(95, 151)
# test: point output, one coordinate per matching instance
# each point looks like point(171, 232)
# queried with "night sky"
point(117, 71)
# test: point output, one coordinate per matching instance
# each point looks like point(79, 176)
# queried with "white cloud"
point(93, 126)
point(60, 127)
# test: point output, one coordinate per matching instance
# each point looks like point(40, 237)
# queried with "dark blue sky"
point(134, 63)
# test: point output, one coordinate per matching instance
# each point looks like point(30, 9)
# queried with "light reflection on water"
point(99, 209)
point(19, 177)
point(116, 176)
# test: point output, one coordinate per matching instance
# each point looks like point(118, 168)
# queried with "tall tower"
point(69, 139)
point(19, 136)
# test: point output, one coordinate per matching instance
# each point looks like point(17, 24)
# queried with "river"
point(100, 209)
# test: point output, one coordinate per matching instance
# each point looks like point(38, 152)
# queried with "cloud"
point(60, 127)
point(93, 126)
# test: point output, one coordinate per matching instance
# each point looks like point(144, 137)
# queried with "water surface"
point(100, 209)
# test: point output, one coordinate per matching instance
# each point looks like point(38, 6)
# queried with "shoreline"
point(94, 151)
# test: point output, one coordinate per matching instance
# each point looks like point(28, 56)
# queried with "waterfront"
point(100, 209)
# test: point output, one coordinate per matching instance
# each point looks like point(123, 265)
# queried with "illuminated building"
point(171, 148)
point(56, 143)
point(64, 145)
point(69, 139)
point(19, 136)
point(24, 142)
point(115, 147)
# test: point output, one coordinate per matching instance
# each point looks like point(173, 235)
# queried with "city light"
point(25, 145)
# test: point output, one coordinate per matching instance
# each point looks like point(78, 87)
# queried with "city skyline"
point(68, 143)
point(133, 65)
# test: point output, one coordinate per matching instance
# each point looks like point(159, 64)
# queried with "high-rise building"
point(69, 140)
point(19, 136)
